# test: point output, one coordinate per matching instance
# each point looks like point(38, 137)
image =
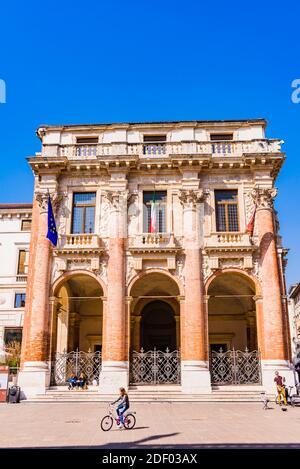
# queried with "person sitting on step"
point(72, 381)
point(81, 382)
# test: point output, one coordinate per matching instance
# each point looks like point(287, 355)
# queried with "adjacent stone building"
point(15, 226)
point(169, 267)
point(294, 314)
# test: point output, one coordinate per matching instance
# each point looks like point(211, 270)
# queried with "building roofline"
point(15, 206)
point(294, 290)
point(260, 121)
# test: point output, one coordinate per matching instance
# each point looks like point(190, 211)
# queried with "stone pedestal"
point(34, 378)
point(114, 375)
point(195, 377)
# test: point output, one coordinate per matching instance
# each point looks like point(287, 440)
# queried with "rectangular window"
point(11, 335)
point(155, 203)
point(20, 299)
point(86, 140)
point(221, 137)
point(155, 138)
point(83, 214)
point(154, 145)
point(227, 218)
point(21, 262)
point(26, 225)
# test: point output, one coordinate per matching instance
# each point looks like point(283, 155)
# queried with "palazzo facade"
point(156, 277)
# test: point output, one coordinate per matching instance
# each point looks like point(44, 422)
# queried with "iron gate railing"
point(155, 367)
point(64, 364)
point(235, 367)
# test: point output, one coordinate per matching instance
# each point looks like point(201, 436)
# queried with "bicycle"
point(108, 420)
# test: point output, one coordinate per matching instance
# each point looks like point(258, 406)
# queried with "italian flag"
point(250, 226)
point(153, 215)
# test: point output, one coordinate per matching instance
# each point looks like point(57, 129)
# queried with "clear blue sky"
point(96, 61)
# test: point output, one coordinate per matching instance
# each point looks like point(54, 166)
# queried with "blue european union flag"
point(52, 232)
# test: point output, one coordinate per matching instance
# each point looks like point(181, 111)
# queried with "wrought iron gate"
point(64, 364)
point(155, 367)
point(235, 367)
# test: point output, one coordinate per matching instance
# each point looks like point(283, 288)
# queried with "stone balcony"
point(75, 243)
point(21, 278)
point(154, 242)
point(229, 241)
point(166, 150)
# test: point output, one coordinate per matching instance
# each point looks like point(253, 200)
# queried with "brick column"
point(34, 375)
point(195, 371)
point(274, 337)
point(114, 372)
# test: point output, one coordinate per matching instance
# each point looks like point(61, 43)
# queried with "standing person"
point(122, 407)
point(297, 369)
point(280, 388)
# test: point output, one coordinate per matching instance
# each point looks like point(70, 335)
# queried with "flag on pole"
point(250, 226)
point(52, 232)
point(153, 214)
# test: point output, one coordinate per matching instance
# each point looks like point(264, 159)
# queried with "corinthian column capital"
point(264, 198)
point(116, 199)
point(42, 200)
point(189, 198)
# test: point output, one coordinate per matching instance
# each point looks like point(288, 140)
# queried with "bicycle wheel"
point(106, 423)
point(129, 421)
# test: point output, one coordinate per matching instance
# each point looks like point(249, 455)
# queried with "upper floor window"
point(155, 204)
point(12, 335)
point(26, 225)
point(227, 218)
point(221, 137)
point(86, 140)
point(22, 262)
point(20, 300)
point(86, 146)
point(83, 213)
point(154, 144)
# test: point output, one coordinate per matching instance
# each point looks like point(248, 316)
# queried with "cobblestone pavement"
point(162, 425)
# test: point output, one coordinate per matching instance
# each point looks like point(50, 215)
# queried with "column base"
point(268, 368)
point(195, 377)
point(114, 375)
point(34, 378)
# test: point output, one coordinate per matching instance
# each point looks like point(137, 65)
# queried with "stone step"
point(147, 397)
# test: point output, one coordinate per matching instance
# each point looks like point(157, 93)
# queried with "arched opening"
point(77, 328)
point(158, 326)
point(155, 312)
point(232, 329)
point(155, 330)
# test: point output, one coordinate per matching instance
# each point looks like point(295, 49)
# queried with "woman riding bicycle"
point(122, 406)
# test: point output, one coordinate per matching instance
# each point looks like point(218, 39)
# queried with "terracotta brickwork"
point(274, 336)
point(192, 315)
point(114, 325)
point(37, 325)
